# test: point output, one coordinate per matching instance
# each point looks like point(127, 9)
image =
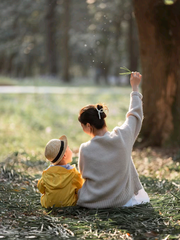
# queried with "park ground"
point(27, 122)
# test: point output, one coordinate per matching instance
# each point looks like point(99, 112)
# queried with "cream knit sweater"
point(106, 165)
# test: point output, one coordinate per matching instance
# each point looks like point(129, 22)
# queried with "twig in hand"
point(127, 71)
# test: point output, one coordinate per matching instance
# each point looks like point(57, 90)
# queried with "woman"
point(105, 162)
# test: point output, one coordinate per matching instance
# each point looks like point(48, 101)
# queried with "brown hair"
point(89, 114)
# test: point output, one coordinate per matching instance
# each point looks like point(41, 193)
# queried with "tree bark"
point(51, 43)
point(133, 43)
point(66, 53)
point(159, 35)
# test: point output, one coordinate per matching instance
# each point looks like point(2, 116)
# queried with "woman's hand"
point(135, 80)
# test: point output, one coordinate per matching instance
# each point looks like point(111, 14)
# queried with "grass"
point(45, 81)
point(27, 123)
point(38, 81)
point(23, 217)
point(169, 2)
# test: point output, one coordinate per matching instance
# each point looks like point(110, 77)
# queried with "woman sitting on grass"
point(105, 162)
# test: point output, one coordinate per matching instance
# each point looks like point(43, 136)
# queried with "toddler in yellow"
point(61, 181)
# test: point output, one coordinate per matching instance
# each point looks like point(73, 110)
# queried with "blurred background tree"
point(158, 24)
point(50, 18)
point(67, 39)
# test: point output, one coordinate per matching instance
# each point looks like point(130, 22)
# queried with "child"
point(60, 182)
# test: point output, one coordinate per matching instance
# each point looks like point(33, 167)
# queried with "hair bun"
point(103, 111)
point(93, 114)
point(99, 106)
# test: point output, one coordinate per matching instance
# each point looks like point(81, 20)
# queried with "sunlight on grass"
point(169, 2)
point(29, 121)
point(6, 81)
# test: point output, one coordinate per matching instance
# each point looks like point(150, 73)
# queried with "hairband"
point(99, 112)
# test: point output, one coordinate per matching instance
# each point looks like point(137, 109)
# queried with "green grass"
point(46, 81)
point(21, 215)
point(169, 2)
point(38, 81)
point(29, 121)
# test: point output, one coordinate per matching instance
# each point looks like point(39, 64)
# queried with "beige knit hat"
point(55, 149)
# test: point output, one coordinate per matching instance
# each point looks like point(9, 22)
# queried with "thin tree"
point(133, 41)
point(65, 49)
point(50, 36)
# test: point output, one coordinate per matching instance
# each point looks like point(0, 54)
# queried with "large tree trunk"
point(51, 44)
point(159, 36)
point(66, 53)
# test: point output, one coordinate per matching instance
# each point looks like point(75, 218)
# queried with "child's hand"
point(135, 80)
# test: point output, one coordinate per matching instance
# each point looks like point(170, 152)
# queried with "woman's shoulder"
point(116, 130)
point(84, 145)
point(121, 131)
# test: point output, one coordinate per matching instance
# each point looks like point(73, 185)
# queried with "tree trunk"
point(133, 43)
point(117, 54)
point(159, 36)
point(51, 43)
point(66, 54)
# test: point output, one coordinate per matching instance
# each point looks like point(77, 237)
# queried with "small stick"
point(127, 71)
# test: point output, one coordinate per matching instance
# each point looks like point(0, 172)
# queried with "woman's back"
point(105, 162)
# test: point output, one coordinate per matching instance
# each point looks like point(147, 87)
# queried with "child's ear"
point(64, 156)
point(88, 125)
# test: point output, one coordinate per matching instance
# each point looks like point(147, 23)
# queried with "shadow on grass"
point(139, 222)
point(21, 215)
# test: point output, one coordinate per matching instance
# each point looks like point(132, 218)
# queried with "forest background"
point(67, 39)
point(66, 44)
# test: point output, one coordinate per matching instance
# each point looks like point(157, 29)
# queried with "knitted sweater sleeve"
point(80, 161)
point(134, 116)
point(83, 164)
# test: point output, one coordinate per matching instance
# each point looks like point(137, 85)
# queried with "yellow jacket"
point(59, 186)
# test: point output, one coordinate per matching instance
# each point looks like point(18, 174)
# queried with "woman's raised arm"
point(134, 115)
